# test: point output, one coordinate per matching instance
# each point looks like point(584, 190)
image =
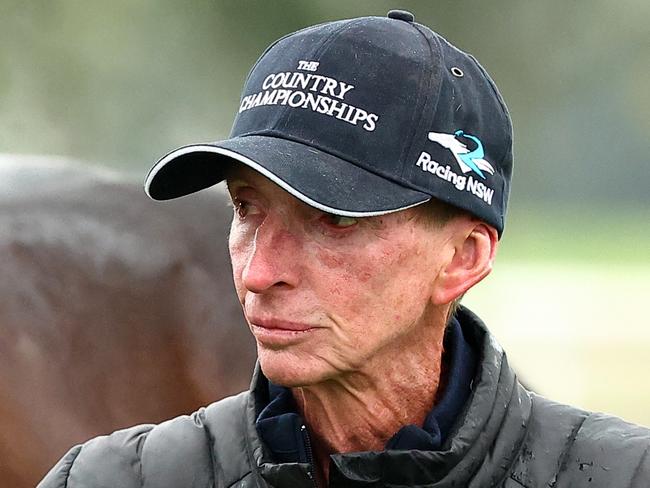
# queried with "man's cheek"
point(353, 300)
point(237, 270)
point(330, 260)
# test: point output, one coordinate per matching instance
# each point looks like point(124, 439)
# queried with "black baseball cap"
point(362, 117)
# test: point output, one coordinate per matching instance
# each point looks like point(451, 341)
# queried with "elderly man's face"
point(324, 295)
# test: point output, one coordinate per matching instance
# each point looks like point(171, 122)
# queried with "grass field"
point(569, 304)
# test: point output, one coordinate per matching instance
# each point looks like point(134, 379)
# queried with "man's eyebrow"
point(234, 183)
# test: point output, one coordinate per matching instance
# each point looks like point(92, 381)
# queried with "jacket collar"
point(482, 443)
point(280, 426)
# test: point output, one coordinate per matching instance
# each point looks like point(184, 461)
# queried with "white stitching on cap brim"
point(257, 167)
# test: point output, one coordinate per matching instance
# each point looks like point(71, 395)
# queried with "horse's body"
point(114, 310)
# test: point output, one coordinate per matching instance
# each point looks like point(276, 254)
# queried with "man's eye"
point(243, 209)
point(340, 220)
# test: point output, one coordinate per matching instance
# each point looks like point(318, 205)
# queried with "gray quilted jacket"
point(505, 437)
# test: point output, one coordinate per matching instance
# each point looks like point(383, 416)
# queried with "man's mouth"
point(276, 332)
point(279, 325)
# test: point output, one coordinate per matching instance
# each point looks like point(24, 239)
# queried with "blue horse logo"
point(467, 160)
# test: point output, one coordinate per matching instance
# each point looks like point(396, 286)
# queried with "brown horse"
point(114, 310)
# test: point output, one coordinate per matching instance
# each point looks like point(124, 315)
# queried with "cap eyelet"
point(457, 72)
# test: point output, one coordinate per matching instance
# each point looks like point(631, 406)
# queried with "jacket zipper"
point(310, 456)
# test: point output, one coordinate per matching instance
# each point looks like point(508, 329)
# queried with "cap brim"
point(315, 177)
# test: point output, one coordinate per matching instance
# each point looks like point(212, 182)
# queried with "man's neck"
point(361, 411)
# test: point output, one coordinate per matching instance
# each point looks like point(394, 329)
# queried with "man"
point(369, 168)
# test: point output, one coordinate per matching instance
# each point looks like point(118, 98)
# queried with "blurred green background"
point(120, 83)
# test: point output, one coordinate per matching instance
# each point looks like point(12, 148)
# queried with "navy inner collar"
point(282, 428)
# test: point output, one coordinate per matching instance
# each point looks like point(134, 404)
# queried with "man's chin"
point(291, 370)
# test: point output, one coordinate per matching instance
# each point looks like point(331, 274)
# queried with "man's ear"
point(475, 247)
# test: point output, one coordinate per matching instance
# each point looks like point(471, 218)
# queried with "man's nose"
point(273, 260)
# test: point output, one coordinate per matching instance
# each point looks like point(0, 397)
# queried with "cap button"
point(401, 15)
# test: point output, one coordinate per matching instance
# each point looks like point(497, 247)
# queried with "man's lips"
point(280, 325)
point(277, 334)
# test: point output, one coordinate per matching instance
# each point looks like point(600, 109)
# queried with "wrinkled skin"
point(359, 287)
point(114, 310)
point(350, 312)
